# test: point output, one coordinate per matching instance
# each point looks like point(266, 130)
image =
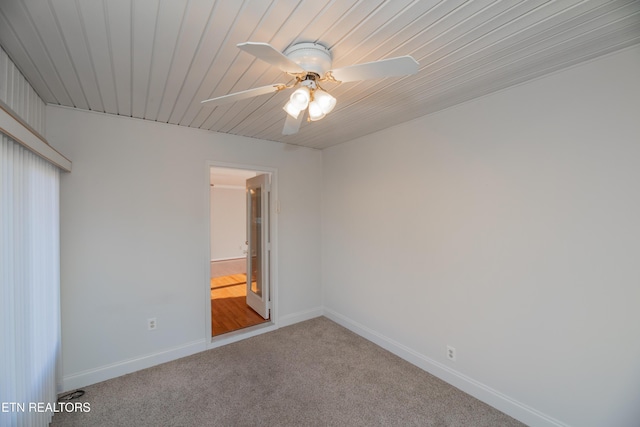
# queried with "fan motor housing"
point(312, 57)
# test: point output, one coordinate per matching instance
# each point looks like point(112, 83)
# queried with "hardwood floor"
point(229, 280)
point(229, 309)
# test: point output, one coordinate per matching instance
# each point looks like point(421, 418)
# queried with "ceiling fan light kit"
point(310, 95)
point(310, 64)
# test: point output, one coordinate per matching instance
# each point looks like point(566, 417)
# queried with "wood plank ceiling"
point(156, 60)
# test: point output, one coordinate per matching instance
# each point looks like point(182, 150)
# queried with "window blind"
point(29, 285)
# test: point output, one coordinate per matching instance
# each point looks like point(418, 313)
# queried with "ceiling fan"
point(310, 64)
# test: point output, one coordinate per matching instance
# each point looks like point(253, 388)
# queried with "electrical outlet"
point(152, 324)
point(451, 353)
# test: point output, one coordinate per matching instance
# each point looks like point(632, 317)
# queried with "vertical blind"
point(29, 284)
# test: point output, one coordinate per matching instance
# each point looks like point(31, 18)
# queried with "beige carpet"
point(314, 373)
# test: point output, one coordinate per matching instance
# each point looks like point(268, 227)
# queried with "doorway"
point(240, 248)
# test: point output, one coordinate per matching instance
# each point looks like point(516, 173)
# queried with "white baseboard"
point(103, 373)
point(233, 258)
point(502, 402)
point(482, 392)
point(300, 316)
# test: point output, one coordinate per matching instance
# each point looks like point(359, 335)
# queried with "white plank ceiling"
point(157, 59)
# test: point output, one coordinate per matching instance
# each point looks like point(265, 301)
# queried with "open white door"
point(259, 244)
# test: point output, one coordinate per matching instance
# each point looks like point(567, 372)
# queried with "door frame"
point(213, 342)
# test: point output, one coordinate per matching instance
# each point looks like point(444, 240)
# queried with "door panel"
point(258, 254)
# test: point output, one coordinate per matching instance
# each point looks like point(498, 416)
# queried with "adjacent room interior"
point(229, 247)
point(455, 182)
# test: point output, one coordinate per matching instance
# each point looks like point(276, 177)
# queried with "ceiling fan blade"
point(392, 67)
point(271, 55)
point(238, 96)
point(292, 125)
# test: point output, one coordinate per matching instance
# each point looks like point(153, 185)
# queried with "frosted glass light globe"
point(315, 111)
point(291, 110)
point(300, 98)
point(326, 101)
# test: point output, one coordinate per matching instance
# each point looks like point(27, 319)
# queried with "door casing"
point(213, 342)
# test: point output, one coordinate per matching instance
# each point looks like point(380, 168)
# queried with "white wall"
point(509, 228)
point(228, 223)
point(135, 236)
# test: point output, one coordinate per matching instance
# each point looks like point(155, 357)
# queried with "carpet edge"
point(480, 391)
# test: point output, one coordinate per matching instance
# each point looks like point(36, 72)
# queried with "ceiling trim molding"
point(18, 130)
